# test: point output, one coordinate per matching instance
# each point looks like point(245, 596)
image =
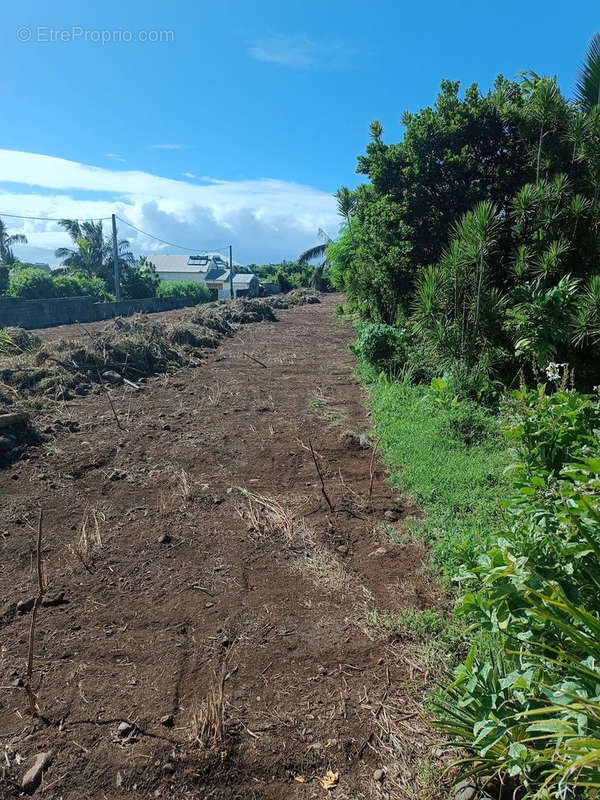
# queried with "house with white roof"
point(211, 270)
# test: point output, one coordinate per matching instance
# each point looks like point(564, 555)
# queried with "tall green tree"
point(7, 240)
point(92, 253)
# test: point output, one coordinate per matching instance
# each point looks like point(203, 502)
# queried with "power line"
point(172, 244)
point(54, 219)
point(124, 221)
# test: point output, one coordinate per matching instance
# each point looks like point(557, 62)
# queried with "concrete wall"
point(66, 310)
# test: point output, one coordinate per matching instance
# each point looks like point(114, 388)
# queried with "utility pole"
point(116, 258)
point(230, 272)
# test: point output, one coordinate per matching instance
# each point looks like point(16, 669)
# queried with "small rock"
point(168, 720)
point(125, 729)
point(32, 778)
point(165, 539)
point(464, 791)
point(342, 549)
point(364, 441)
point(17, 683)
point(112, 377)
point(390, 515)
point(381, 551)
point(25, 606)
point(379, 775)
point(208, 604)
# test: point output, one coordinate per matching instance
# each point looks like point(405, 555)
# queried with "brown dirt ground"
point(268, 602)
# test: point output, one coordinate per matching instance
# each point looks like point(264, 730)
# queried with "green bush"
point(532, 717)
point(141, 281)
point(382, 346)
point(80, 285)
point(30, 284)
point(197, 291)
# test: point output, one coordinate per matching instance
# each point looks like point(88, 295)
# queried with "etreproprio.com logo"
point(76, 33)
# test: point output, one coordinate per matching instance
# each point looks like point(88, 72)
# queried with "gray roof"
point(244, 277)
point(186, 263)
point(217, 275)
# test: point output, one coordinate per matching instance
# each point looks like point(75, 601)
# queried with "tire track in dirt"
point(196, 582)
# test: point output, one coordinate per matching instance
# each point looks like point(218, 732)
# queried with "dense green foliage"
point(182, 289)
point(479, 233)
point(291, 274)
point(472, 256)
point(30, 283)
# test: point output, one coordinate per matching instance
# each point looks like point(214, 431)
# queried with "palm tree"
point(546, 105)
point(318, 251)
point(6, 241)
point(92, 253)
point(587, 89)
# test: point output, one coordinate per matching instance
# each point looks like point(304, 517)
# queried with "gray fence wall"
point(66, 310)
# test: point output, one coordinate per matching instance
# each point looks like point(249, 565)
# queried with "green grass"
point(458, 485)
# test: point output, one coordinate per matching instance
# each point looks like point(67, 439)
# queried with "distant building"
point(211, 270)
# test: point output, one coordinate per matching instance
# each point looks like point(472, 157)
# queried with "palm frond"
point(318, 251)
point(587, 88)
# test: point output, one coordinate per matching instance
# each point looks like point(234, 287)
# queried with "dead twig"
point(33, 703)
point(320, 474)
point(102, 383)
point(371, 470)
point(258, 361)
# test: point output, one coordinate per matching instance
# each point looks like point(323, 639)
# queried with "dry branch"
point(371, 470)
point(30, 693)
point(253, 358)
point(320, 474)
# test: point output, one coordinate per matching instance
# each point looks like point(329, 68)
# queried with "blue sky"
point(242, 122)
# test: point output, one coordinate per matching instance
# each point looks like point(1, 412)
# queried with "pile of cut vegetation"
point(125, 350)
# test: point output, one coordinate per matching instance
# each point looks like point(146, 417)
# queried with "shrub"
point(80, 285)
point(382, 346)
point(531, 718)
point(142, 281)
point(197, 291)
point(30, 284)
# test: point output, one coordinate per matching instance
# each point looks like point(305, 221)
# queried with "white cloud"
point(168, 146)
point(114, 156)
point(189, 175)
point(299, 52)
point(265, 219)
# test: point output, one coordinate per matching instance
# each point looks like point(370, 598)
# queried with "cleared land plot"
point(229, 629)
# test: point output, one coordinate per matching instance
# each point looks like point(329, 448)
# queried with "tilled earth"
point(204, 587)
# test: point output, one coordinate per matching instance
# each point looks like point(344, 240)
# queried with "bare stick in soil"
point(102, 384)
point(320, 474)
point(35, 709)
point(371, 471)
point(258, 361)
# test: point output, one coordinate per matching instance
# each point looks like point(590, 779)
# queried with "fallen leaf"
point(330, 780)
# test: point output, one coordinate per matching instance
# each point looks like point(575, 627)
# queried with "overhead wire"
point(125, 222)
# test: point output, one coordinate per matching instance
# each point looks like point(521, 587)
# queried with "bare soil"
point(230, 628)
